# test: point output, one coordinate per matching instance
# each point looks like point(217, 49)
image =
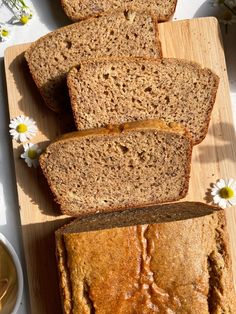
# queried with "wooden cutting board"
point(197, 40)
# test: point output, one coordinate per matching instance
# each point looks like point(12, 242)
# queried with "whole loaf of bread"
point(129, 262)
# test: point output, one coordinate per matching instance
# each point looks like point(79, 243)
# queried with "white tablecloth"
point(47, 17)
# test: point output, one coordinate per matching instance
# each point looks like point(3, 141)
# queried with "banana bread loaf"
point(77, 10)
point(129, 262)
point(117, 91)
point(120, 33)
point(113, 168)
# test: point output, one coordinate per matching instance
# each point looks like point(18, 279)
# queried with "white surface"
point(48, 16)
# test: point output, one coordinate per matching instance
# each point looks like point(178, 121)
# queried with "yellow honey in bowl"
point(8, 281)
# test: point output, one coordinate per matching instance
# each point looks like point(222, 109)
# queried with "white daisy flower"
point(22, 128)
point(22, 13)
point(25, 15)
point(4, 33)
point(21, 17)
point(224, 192)
point(31, 154)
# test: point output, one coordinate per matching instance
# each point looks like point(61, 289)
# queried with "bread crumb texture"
point(120, 33)
point(114, 171)
point(116, 91)
point(177, 267)
point(77, 10)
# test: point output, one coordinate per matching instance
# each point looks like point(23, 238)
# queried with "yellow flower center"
point(24, 19)
point(32, 154)
point(226, 192)
point(21, 128)
point(5, 33)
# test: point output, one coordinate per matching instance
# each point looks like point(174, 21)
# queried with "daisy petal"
point(216, 199)
point(29, 163)
point(220, 184)
point(232, 201)
point(230, 181)
point(233, 186)
point(22, 137)
point(13, 124)
point(223, 203)
point(228, 204)
point(21, 119)
point(214, 191)
point(23, 155)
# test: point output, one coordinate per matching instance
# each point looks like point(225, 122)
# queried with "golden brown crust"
point(65, 290)
point(200, 133)
point(221, 295)
point(190, 265)
point(157, 124)
point(161, 213)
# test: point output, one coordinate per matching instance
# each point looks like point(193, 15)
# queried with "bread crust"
point(197, 66)
point(79, 17)
point(52, 105)
point(220, 292)
point(111, 130)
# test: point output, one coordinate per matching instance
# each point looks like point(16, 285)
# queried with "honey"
point(8, 281)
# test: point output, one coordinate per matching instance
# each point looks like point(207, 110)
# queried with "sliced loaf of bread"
point(120, 33)
point(77, 10)
point(117, 91)
point(113, 168)
point(132, 262)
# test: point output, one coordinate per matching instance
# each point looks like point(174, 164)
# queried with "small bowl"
point(10, 302)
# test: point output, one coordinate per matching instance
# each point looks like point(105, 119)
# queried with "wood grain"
point(196, 40)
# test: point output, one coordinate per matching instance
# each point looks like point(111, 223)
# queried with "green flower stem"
point(12, 4)
point(23, 3)
point(18, 4)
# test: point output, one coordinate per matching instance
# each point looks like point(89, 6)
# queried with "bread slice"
point(77, 10)
point(117, 167)
point(121, 90)
point(120, 33)
point(129, 261)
